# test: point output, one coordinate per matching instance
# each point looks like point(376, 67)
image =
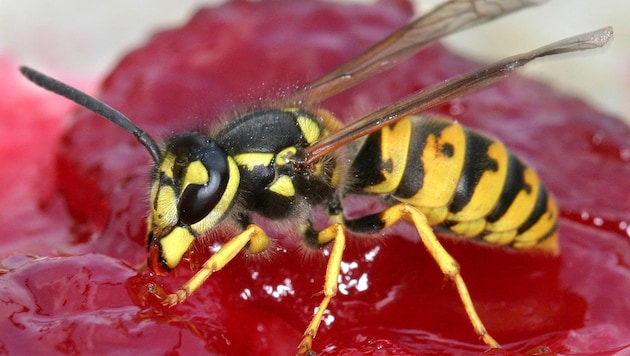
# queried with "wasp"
point(283, 161)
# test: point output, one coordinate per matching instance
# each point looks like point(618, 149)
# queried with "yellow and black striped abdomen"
point(460, 179)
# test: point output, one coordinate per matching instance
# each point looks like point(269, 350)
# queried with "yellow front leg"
point(253, 234)
point(445, 261)
point(337, 234)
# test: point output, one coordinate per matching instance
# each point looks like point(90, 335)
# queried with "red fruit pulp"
point(392, 297)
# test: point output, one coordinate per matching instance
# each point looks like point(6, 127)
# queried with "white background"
point(83, 39)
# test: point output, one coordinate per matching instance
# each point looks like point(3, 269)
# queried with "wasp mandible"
point(427, 171)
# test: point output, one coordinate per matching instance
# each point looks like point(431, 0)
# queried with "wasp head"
point(192, 190)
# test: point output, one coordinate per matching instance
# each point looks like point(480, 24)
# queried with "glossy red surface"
point(88, 210)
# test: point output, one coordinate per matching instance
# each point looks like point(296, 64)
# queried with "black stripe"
point(367, 164)
point(515, 182)
point(547, 235)
point(413, 178)
point(539, 209)
point(476, 163)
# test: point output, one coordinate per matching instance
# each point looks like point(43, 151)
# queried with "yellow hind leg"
point(445, 261)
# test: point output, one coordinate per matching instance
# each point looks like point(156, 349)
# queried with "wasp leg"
point(253, 235)
point(336, 234)
point(445, 261)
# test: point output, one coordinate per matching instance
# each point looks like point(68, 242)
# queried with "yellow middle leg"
point(337, 234)
point(445, 261)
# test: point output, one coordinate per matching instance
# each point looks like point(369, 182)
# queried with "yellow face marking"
point(196, 173)
point(174, 245)
point(217, 213)
point(486, 193)
point(394, 154)
point(310, 129)
point(522, 205)
point(164, 213)
point(283, 186)
point(441, 172)
point(155, 186)
point(167, 165)
point(251, 160)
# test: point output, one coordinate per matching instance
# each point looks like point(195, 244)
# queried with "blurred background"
point(80, 39)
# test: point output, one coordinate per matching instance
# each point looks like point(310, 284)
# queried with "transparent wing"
point(441, 93)
point(450, 17)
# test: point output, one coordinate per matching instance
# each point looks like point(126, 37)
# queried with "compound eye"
point(198, 200)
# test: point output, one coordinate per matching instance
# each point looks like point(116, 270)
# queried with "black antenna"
point(95, 106)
